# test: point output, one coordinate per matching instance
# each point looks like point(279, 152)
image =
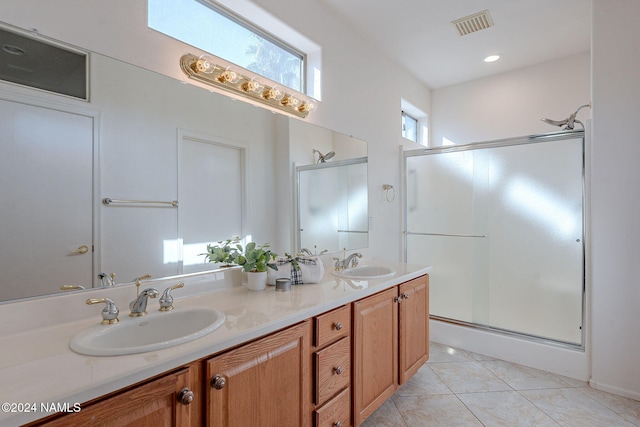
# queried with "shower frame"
point(507, 142)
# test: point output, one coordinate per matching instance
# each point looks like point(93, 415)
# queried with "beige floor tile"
point(385, 416)
point(571, 407)
point(425, 382)
point(627, 408)
point(524, 378)
point(468, 377)
point(443, 353)
point(505, 408)
point(434, 411)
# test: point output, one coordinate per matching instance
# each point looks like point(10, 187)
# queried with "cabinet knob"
point(337, 326)
point(405, 295)
point(185, 396)
point(218, 382)
point(337, 424)
point(397, 299)
point(337, 370)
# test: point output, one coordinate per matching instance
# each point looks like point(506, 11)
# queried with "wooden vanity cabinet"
point(332, 370)
point(169, 400)
point(263, 383)
point(331, 361)
point(390, 342)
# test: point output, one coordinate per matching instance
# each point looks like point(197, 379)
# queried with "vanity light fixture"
point(204, 69)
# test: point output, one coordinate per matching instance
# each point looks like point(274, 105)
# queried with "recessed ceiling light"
point(492, 58)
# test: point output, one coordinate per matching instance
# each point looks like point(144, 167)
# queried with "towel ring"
point(389, 195)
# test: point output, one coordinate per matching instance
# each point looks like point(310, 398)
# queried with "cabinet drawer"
point(336, 412)
point(333, 370)
point(331, 326)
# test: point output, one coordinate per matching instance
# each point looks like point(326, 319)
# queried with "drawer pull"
point(337, 326)
point(337, 424)
point(405, 295)
point(337, 370)
point(218, 382)
point(185, 396)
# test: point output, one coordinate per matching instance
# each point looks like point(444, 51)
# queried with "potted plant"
point(254, 260)
point(221, 252)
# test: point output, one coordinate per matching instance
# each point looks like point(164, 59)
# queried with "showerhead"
point(570, 121)
point(322, 158)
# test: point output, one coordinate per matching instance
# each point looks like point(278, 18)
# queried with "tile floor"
point(461, 388)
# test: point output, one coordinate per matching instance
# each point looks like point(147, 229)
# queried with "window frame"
point(404, 116)
point(234, 17)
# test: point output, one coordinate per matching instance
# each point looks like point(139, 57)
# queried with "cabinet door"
point(263, 383)
point(375, 351)
point(414, 326)
point(154, 404)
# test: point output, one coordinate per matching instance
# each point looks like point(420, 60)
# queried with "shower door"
point(502, 225)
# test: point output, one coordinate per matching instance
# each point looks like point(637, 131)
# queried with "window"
point(228, 36)
point(409, 127)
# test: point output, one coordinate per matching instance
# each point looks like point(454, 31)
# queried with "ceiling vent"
point(472, 23)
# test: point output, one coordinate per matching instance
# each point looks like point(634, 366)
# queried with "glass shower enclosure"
point(502, 225)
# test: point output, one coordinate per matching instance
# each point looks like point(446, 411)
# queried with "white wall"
point(615, 195)
point(512, 104)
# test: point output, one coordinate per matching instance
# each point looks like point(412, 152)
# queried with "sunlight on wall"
point(174, 251)
point(539, 204)
point(171, 250)
point(446, 142)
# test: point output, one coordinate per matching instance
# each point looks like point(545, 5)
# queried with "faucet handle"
point(354, 260)
point(166, 300)
point(109, 312)
point(71, 287)
point(137, 282)
point(338, 264)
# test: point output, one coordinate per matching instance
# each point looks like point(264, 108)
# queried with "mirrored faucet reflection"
point(349, 262)
point(107, 279)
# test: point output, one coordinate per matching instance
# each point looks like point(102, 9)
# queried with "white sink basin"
point(155, 331)
point(366, 272)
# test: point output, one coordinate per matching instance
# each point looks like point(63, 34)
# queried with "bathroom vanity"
point(325, 354)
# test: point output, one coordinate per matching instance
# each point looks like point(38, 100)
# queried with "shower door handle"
point(413, 233)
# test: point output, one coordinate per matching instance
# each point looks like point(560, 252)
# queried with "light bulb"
point(228, 76)
point(204, 64)
point(290, 101)
point(252, 86)
point(307, 107)
point(272, 93)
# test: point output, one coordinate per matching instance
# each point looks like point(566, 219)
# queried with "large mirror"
point(182, 167)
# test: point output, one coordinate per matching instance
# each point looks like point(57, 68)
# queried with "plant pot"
point(257, 281)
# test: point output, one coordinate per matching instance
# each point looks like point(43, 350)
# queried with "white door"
point(211, 194)
point(46, 172)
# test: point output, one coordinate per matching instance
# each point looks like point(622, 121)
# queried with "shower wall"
point(502, 224)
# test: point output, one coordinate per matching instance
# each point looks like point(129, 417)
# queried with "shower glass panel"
point(502, 224)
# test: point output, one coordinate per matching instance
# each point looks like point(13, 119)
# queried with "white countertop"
point(37, 366)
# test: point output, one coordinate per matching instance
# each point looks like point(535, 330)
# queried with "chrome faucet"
point(138, 306)
point(166, 300)
point(107, 279)
point(349, 262)
point(109, 312)
point(305, 251)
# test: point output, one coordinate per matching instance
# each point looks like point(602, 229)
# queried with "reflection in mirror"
point(331, 189)
point(332, 206)
point(141, 136)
